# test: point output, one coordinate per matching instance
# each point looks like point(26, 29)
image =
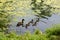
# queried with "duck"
point(35, 23)
point(28, 24)
point(31, 21)
point(20, 23)
point(37, 20)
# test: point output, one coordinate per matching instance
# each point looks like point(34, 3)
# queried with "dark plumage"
point(28, 24)
point(31, 21)
point(35, 23)
point(37, 20)
point(20, 23)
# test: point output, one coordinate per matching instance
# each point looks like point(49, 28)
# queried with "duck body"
point(28, 24)
point(35, 23)
point(20, 23)
point(31, 21)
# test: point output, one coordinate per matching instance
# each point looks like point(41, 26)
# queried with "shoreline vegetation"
point(52, 33)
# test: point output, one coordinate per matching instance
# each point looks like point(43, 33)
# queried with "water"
point(25, 8)
point(54, 19)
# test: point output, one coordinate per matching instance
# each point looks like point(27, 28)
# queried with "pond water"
point(54, 19)
point(25, 7)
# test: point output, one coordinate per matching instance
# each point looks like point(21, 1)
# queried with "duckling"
point(35, 23)
point(37, 20)
point(28, 24)
point(20, 23)
point(31, 21)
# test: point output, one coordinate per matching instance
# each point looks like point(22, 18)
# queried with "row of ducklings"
point(28, 24)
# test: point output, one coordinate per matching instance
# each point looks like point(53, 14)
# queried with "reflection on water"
point(40, 25)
